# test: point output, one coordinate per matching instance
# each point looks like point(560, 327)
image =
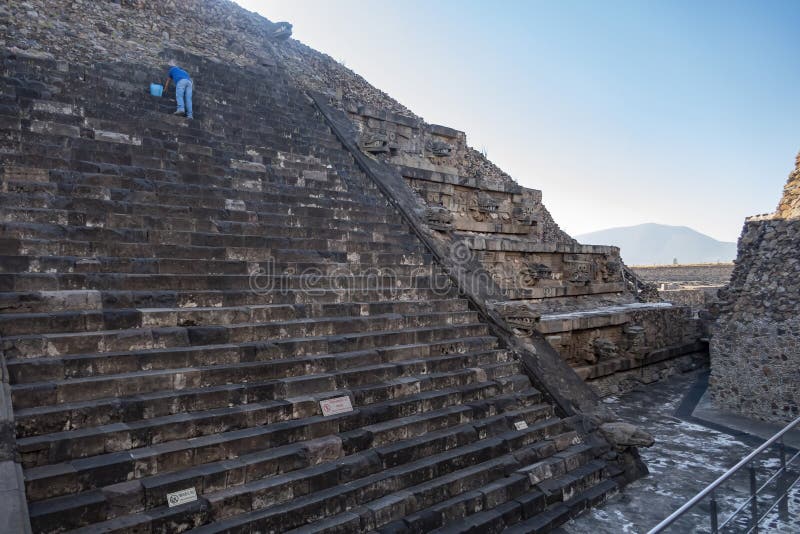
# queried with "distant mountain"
point(657, 244)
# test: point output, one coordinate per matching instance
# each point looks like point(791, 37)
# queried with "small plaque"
point(520, 425)
point(181, 497)
point(336, 405)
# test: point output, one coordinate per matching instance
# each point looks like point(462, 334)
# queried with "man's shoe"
point(179, 113)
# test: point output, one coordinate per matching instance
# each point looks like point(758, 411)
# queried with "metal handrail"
point(728, 474)
point(764, 486)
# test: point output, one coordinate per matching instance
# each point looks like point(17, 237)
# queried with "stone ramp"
point(178, 297)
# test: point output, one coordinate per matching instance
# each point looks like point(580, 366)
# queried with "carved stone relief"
point(439, 218)
point(482, 206)
point(439, 149)
point(520, 317)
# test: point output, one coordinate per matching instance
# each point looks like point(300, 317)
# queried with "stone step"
point(126, 338)
point(495, 365)
point(327, 251)
point(277, 182)
point(30, 396)
point(235, 195)
point(41, 301)
point(308, 281)
point(560, 513)
point(228, 222)
point(189, 158)
point(237, 190)
point(116, 265)
point(85, 442)
point(53, 418)
point(350, 242)
point(161, 125)
point(12, 324)
point(89, 249)
point(121, 258)
point(487, 508)
point(393, 492)
point(280, 377)
point(367, 473)
point(153, 151)
point(216, 233)
point(510, 501)
point(105, 208)
point(357, 430)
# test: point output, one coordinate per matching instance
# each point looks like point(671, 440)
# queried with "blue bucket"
point(156, 89)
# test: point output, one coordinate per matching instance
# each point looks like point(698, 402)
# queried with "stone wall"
point(698, 298)
point(755, 348)
point(688, 285)
point(675, 276)
point(789, 207)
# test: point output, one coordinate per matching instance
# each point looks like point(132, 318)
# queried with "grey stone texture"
point(178, 297)
point(688, 285)
point(755, 358)
point(676, 276)
point(503, 225)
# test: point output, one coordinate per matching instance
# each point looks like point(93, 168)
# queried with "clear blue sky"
point(621, 112)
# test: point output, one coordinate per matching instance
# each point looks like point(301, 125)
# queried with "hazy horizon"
point(659, 244)
point(622, 113)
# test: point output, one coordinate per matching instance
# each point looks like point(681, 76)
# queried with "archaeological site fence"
point(765, 476)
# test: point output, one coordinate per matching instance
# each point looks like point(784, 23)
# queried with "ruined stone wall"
point(697, 298)
point(704, 274)
point(688, 285)
point(755, 348)
point(789, 207)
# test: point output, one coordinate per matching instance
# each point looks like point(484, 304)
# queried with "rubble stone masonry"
point(755, 348)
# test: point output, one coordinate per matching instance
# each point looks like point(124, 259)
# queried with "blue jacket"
point(178, 74)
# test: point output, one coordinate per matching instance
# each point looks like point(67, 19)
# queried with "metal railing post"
point(783, 484)
point(713, 512)
point(754, 497)
point(748, 462)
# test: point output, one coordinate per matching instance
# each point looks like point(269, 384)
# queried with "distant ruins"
point(694, 285)
point(307, 308)
point(755, 362)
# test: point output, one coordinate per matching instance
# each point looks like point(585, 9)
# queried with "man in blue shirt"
point(183, 90)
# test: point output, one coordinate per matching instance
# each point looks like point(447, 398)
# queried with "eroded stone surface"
point(754, 359)
point(507, 227)
point(175, 312)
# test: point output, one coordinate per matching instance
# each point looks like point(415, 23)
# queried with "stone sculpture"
point(532, 272)
point(520, 317)
point(439, 149)
point(439, 218)
point(482, 205)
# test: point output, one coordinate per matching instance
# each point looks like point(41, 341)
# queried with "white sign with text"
point(520, 425)
point(336, 405)
point(181, 497)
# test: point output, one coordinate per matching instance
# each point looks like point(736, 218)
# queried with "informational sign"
point(336, 405)
point(520, 425)
point(181, 497)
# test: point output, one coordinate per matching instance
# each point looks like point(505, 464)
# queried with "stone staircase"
point(177, 297)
